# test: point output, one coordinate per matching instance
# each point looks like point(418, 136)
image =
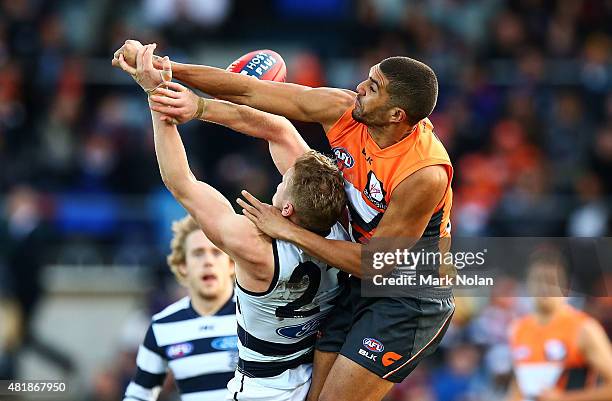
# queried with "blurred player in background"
point(397, 177)
point(559, 352)
point(194, 337)
point(282, 292)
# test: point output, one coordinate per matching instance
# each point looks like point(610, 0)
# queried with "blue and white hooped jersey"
point(277, 328)
point(201, 352)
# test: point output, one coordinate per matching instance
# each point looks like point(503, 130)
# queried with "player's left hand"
point(552, 394)
point(266, 217)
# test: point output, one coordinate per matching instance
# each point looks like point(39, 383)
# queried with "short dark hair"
point(317, 191)
point(413, 86)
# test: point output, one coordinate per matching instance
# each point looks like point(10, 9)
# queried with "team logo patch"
point(179, 350)
point(300, 330)
point(225, 343)
point(555, 350)
point(373, 345)
point(389, 358)
point(375, 192)
point(343, 157)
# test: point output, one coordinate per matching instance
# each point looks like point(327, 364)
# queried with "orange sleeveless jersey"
point(548, 355)
point(371, 174)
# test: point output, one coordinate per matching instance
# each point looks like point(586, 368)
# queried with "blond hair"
point(317, 191)
point(178, 255)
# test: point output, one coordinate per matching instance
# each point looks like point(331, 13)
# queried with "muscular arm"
point(412, 205)
point(296, 102)
point(229, 231)
point(286, 144)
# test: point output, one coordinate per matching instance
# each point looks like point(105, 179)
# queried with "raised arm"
point(229, 231)
point(296, 102)
point(181, 104)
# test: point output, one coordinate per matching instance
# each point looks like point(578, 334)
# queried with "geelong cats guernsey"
point(199, 350)
point(277, 328)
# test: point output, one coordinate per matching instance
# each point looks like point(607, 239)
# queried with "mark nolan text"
point(459, 279)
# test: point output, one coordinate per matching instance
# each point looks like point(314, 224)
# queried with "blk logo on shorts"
point(365, 353)
point(373, 345)
point(389, 358)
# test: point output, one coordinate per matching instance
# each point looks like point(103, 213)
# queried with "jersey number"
point(312, 271)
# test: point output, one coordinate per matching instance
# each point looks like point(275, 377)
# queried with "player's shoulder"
point(172, 309)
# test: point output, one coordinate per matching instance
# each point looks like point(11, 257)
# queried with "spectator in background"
point(22, 244)
point(460, 378)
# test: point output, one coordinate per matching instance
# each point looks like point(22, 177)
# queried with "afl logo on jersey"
point(375, 192)
point(521, 352)
point(343, 158)
point(373, 345)
point(179, 350)
point(555, 350)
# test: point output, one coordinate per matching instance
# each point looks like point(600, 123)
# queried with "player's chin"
point(357, 115)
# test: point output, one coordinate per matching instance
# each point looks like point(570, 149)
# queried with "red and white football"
point(262, 64)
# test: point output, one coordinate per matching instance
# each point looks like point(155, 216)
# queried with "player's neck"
point(389, 135)
point(210, 306)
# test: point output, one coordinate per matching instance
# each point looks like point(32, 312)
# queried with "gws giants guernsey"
point(548, 354)
point(199, 350)
point(371, 174)
point(277, 328)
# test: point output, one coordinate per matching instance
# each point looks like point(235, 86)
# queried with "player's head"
point(197, 263)
point(312, 192)
point(547, 279)
point(398, 90)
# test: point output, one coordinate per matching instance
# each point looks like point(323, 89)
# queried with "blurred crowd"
point(525, 111)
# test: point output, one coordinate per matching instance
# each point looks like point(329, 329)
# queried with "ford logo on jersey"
point(300, 330)
point(179, 350)
point(225, 343)
point(343, 157)
point(373, 344)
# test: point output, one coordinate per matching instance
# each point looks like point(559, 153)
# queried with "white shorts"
point(291, 385)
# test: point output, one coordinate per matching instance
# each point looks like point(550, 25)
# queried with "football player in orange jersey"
point(397, 178)
point(558, 351)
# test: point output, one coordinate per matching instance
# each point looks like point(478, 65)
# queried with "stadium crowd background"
point(525, 110)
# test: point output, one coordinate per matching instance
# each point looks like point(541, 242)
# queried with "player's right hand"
point(128, 50)
point(176, 103)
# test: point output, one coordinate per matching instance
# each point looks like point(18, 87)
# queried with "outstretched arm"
point(296, 102)
point(286, 144)
point(232, 233)
point(229, 231)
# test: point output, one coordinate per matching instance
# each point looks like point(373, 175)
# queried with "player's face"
point(371, 104)
point(209, 270)
point(280, 196)
point(546, 284)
